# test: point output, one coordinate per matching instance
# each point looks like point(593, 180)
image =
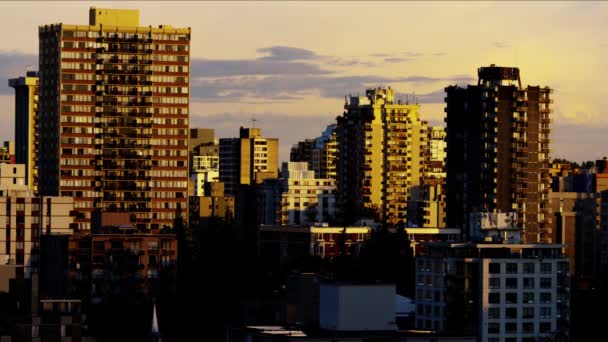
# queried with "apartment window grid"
point(430, 294)
point(519, 295)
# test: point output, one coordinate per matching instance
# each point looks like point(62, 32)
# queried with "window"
point(545, 268)
point(494, 298)
point(527, 327)
point(545, 283)
point(544, 327)
point(528, 283)
point(494, 268)
point(511, 313)
point(511, 268)
point(528, 268)
point(511, 283)
point(545, 312)
point(511, 298)
point(528, 313)
point(494, 283)
point(493, 328)
point(494, 313)
point(510, 327)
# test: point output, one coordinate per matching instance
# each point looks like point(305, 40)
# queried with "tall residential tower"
point(498, 151)
point(382, 152)
point(26, 125)
point(114, 101)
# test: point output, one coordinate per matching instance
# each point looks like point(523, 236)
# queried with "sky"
point(290, 64)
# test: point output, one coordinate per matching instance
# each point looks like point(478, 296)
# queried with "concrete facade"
point(114, 132)
point(247, 160)
point(498, 151)
point(27, 125)
point(382, 152)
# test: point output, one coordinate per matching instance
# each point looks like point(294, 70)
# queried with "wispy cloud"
point(501, 44)
point(278, 86)
point(286, 53)
point(396, 60)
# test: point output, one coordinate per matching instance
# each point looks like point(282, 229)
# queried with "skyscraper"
point(114, 116)
point(248, 159)
point(382, 152)
point(26, 125)
point(498, 151)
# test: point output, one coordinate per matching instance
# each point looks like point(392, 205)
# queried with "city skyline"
point(296, 61)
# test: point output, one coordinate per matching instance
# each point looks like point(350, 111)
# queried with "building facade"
point(114, 99)
point(498, 151)
point(7, 152)
point(26, 125)
point(501, 292)
point(213, 202)
point(298, 198)
point(320, 153)
point(248, 159)
point(382, 152)
point(25, 218)
point(279, 244)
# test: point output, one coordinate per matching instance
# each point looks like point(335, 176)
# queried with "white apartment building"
point(298, 198)
point(501, 292)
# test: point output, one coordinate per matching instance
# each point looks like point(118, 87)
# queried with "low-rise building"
point(116, 257)
point(419, 236)
point(282, 243)
point(24, 218)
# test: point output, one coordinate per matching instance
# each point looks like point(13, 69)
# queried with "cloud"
point(396, 60)
point(412, 54)
point(278, 86)
point(216, 68)
point(501, 45)
point(286, 53)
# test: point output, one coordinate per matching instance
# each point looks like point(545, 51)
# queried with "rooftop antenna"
point(253, 121)
point(29, 67)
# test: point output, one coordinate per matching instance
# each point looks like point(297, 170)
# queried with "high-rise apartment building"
point(26, 125)
point(498, 151)
point(382, 152)
point(320, 153)
point(114, 101)
point(248, 159)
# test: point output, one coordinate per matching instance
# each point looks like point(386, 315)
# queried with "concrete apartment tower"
point(382, 151)
point(320, 153)
point(114, 107)
point(248, 159)
point(498, 151)
point(26, 125)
